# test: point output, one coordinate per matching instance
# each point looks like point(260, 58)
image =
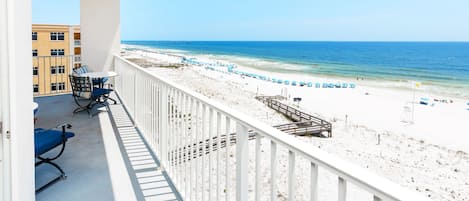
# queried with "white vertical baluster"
point(273, 173)
point(314, 182)
point(197, 151)
point(185, 146)
point(242, 162)
point(210, 148)
point(192, 149)
point(176, 139)
point(342, 189)
point(227, 161)
point(291, 175)
point(258, 167)
point(218, 153)
point(164, 125)
point(204, 144)
point(171, 131)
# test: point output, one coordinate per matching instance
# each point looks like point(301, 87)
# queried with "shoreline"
point(449, 90)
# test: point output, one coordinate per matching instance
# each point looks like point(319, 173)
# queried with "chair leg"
point(49, 161)
point(62, 176)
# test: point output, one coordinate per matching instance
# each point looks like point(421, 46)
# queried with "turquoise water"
point(444, 64)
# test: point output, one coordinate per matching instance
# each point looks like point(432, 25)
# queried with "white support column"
point(100, 33)
point(16, 101)
point(242, 161)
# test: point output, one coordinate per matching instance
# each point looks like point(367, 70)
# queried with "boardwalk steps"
point(303, 123)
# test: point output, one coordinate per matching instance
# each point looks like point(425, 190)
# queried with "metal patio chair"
point(45, 141)
point(85, 95)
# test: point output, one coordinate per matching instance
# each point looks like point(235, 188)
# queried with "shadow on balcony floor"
point(150, 183)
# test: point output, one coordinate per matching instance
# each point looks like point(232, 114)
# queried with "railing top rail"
point(374, 184)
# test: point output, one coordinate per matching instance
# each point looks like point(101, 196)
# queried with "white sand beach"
point(370, 124)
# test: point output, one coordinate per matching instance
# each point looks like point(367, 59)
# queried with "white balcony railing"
point(180, 125)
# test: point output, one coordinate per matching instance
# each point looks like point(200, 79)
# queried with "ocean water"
point(444, 65)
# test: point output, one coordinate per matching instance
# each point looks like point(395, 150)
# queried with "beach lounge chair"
point(45, 141)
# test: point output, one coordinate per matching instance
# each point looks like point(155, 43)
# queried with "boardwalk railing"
point(172, 117)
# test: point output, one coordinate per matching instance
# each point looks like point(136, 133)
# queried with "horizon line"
point(371, 41)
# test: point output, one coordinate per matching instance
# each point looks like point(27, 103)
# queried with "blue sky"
point(299, 20)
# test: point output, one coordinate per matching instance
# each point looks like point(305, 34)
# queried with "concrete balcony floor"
point(106, 146)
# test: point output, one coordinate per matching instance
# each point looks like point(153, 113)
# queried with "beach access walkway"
point(303, 123)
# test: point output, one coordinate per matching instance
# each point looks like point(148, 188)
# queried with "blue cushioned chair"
point(46, 140)
point(86, 96)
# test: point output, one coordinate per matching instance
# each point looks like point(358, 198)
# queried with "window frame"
point(35, 88)
point(61, 69)
point(61, 86)
point(35, 52)
point(57, 52)
point(34, 35)
point(35, 71)
point(53, 86)
point(57, 36)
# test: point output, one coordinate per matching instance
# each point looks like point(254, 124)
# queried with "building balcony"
point(106, 159)
point(165, 142)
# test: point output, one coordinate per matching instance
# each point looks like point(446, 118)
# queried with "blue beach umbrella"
point(287, 82)
point(310, 84)
point(293, 83)
point(352, 85)
point(302, 83)
point(279, 81)
point(344, 85)
point(318, 85)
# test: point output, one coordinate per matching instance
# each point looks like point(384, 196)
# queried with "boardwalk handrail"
point(151, 101)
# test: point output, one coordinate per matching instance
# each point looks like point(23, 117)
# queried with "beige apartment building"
point(56, 50)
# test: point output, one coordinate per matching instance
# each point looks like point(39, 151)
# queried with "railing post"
point(242, 161)
point(342, 189)
point(163, 116)
point(135, 88)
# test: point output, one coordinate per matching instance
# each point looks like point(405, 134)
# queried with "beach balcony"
point(161, 141)
point(166, 142)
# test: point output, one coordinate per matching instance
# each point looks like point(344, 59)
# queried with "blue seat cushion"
point(45, 140)
point(100, 91)
point(99, 81)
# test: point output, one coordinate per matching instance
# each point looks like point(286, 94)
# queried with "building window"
point(34, 35)
point(53, 86)
point(61, 86)
point(61, 69)
point(57, 70)
point(57, 36)
point(36, 88)
point(35, 53)
point(57, 52)
point(35, 70)
point(53, 70)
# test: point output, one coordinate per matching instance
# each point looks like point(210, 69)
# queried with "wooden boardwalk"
point(303, 123)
